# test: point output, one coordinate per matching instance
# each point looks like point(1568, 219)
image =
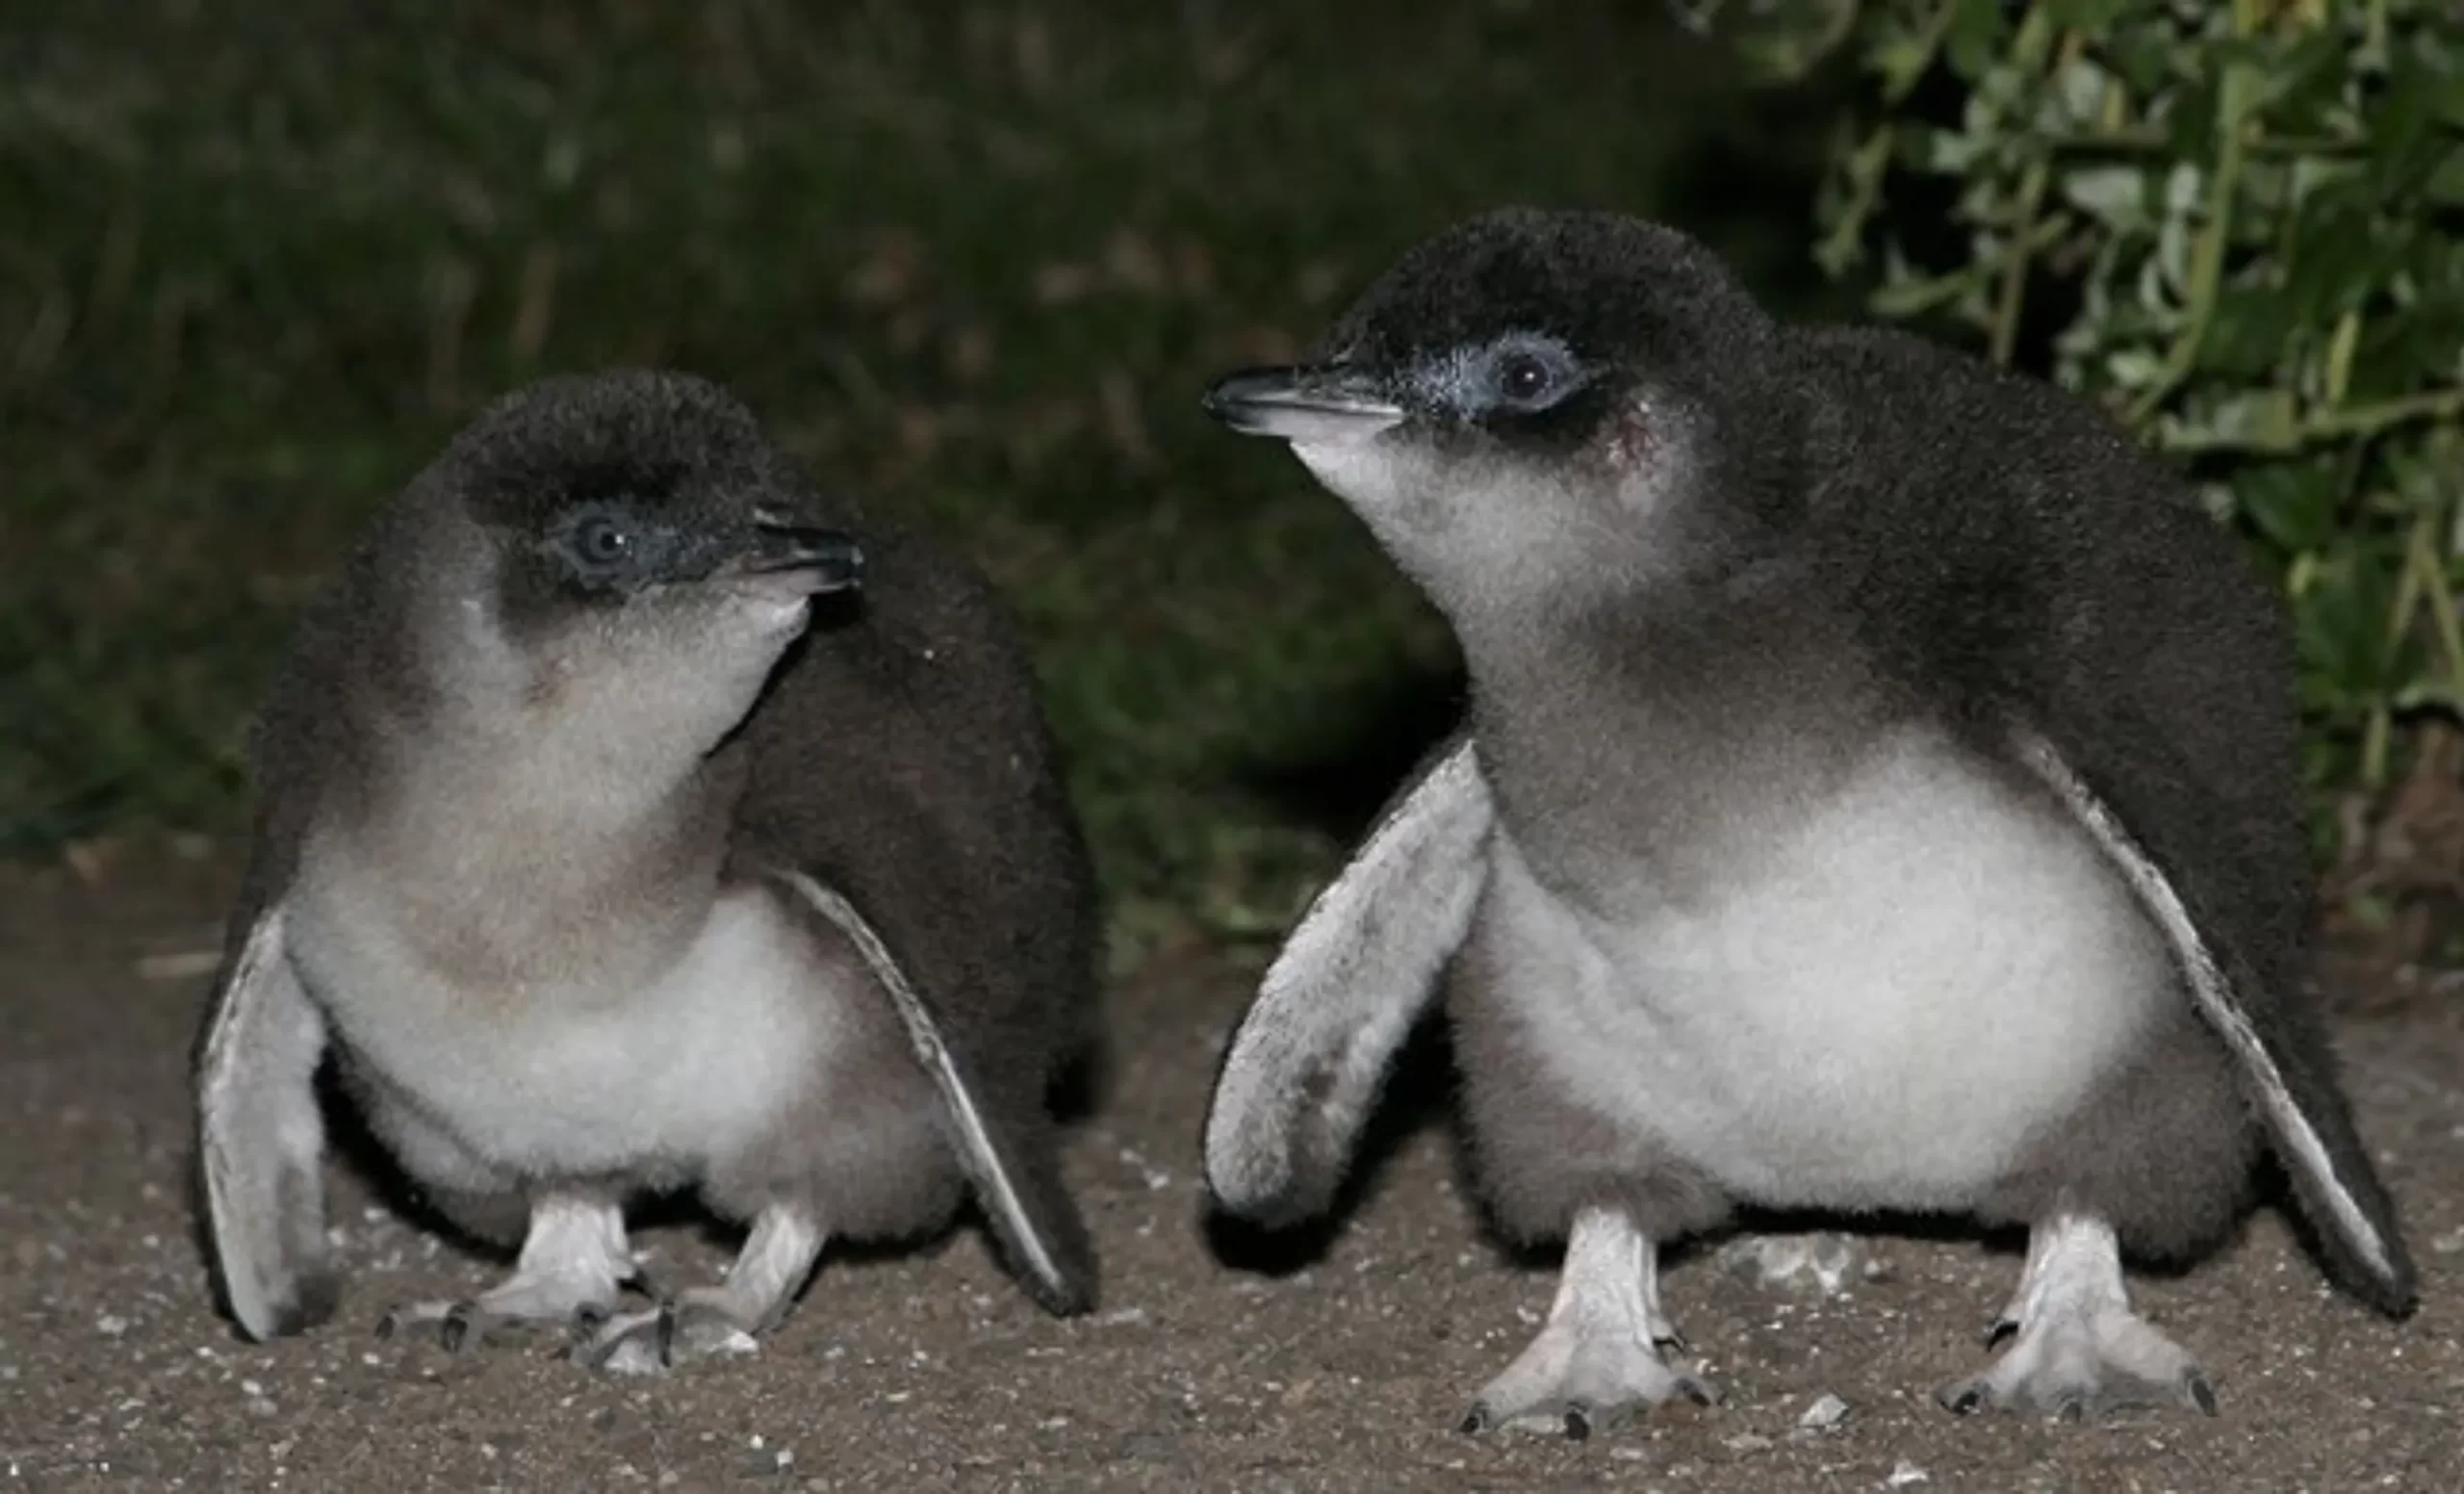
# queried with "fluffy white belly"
point(693, 1064)
point(1880, 1012)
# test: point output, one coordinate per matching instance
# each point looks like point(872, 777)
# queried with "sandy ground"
point(928, 1370)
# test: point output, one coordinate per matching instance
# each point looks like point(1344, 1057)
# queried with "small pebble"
point(1906, 1473)
point(1826, 1411)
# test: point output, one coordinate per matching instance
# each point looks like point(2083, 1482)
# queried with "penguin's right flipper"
point(1304, 1069)
point(1001, 1134)
point(261, 1140)
point(2142, 808)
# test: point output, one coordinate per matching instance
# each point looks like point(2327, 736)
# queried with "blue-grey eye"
point(601, 542)
point(1526, 377)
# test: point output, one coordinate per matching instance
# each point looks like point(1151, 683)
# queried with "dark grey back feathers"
point(901, 757)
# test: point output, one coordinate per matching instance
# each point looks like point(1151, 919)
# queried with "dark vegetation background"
point(978, 260)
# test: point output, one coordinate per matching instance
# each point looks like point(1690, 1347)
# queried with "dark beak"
point(1307, 403)
point(827, 560)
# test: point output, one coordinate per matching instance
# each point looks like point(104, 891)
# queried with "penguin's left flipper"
point(1005, 1140)
point(261, 1138)
point(2136, 799)
point(1304, 1069)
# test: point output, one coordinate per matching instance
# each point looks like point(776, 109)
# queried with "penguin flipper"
point(1004, 1139)
point(1305, 1066)
point(261, 1137)
point(2282, 1056)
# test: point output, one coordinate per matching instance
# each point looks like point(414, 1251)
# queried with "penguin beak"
point(821, 559)
point(1306, 404)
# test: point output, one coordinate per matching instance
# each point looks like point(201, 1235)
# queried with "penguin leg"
point(2077, 1350)
point(574, 1261)
point(1600, 1356)
point(727, 1317)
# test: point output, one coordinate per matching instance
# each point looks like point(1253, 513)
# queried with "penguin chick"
point(629, 824)
point(1880, 792)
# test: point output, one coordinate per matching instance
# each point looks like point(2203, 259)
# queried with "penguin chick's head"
point(625, 549)
point(1541, 404)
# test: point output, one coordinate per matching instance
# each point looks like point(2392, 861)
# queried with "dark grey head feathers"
point(1526, 388)
point(1619, 300)
point(646, 483)
point(615, 561)
point(653, 494)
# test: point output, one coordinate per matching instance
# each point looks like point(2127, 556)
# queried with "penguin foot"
point(1601, 1357)
point(516, 1308)
point(2080, 1369)
point(1578, 1381)
point(2076, 1350)
point(701, 1322)
point(574, 1262)
point(698, 1324)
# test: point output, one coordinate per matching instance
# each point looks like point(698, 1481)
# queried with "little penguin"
point(634, 818)
point(1879, 792)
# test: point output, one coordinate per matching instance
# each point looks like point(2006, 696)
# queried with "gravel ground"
point(928, 1370)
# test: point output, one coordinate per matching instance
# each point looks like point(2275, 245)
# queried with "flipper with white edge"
point(2283, 1060)
point(1004, 1138)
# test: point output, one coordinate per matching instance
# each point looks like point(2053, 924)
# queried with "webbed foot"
point(1601, 1357)
point(2076, 1350)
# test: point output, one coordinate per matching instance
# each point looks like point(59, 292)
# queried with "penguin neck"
point(1662, 735)
point(503, 868)
point(475, 782)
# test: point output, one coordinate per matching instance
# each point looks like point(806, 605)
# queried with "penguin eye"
point(1524, 379)
point(601, 543)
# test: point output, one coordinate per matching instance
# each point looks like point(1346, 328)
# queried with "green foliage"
point(2240, 226)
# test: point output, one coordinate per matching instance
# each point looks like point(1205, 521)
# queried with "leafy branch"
point(2241, 227)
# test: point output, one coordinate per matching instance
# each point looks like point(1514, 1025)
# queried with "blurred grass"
point(975, 261)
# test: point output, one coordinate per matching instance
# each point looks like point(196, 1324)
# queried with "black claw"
point(667, 1333)
point(1698, 1393)
point(589, 1318)
point(455, 1327)
point(2074, 1411)
point(1672, 1343)
point(2202, 1394)
point(386, 1324)
point(1476, 1421)
point(2000, 1329)
point(1578, 1424)
point(1967, 1400)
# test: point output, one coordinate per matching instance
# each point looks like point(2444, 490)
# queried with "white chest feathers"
point(1880, 1011)
point(680, 1057)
